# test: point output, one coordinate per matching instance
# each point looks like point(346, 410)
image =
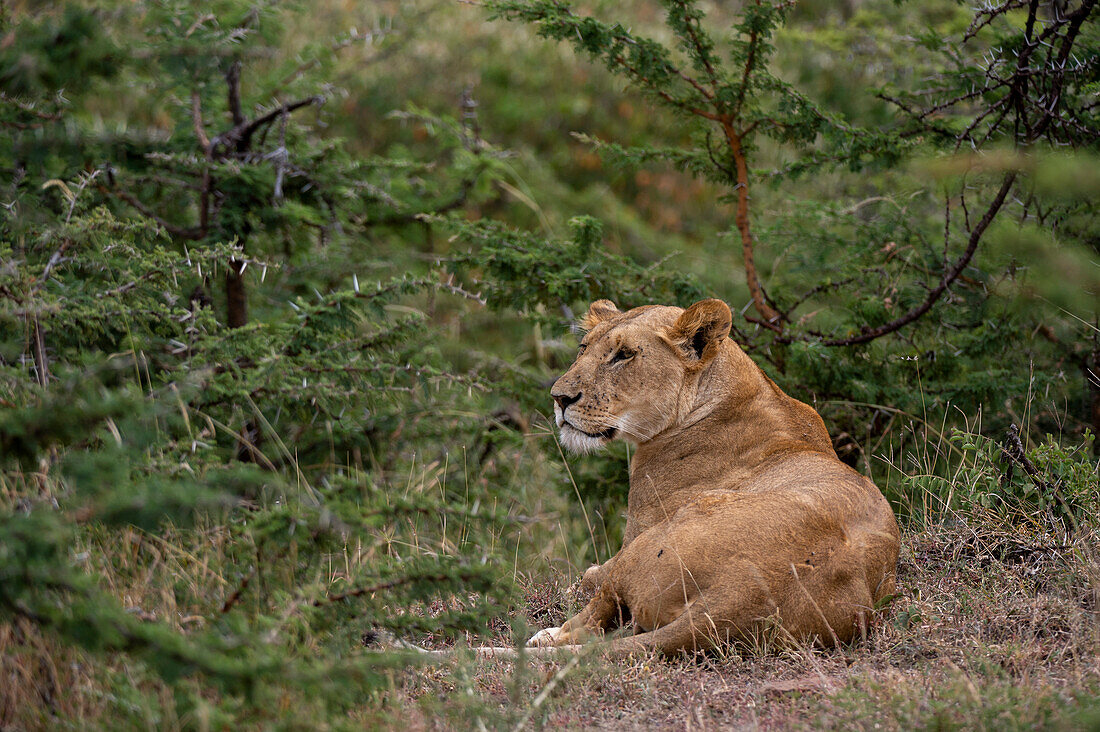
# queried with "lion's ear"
point(702, 328)
point(597, 312)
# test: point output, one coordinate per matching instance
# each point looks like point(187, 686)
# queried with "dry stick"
point(949, 276)
point(196, 121)
point(41, 365)
point(241, 134)
point(280, 158)
point(53, 261)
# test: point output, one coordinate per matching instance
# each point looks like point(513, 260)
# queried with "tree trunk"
point(236, 299)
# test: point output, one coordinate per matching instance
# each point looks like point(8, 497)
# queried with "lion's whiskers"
point(630, 425)
point(640, 427)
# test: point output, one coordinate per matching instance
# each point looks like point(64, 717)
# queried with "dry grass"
point(983, 634)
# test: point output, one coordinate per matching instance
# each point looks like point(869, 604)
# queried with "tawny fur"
point(740, 515)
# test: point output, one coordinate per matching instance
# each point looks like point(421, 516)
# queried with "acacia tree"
point(219, 143)
point(1024, 83)
point(131, 414)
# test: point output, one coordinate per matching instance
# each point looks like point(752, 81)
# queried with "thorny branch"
point(750, 64)
point(949, 275)
point(39, 118)
point(702, 51)
point(649, 85)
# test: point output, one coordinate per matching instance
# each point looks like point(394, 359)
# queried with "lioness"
point(739, 512)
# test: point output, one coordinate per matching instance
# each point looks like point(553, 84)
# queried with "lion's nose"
point(564, 400)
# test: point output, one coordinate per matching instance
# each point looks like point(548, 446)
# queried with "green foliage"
point(1049, 481)
point(141, 389)
point(550, 283)
point(520, 272)
point(318, 430)
point(56, 51)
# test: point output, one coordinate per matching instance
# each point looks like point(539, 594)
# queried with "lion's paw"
point(544, 637)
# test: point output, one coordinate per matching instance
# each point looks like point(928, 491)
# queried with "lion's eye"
point(580, 349)
point(623, 354)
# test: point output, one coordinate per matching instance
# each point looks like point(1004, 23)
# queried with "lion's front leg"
point(596, 616)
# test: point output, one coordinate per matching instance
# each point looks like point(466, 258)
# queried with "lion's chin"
point(580, 442)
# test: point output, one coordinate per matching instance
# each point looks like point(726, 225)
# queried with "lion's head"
point(631, 370)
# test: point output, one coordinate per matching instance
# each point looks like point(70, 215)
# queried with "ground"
point(990, 629)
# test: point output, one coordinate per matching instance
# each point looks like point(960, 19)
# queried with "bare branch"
point(949, 276)
point(196, 121)
point(986, 16)
point(240, 136)
point(41, 363)
point(648, 84)
point(177, 231)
